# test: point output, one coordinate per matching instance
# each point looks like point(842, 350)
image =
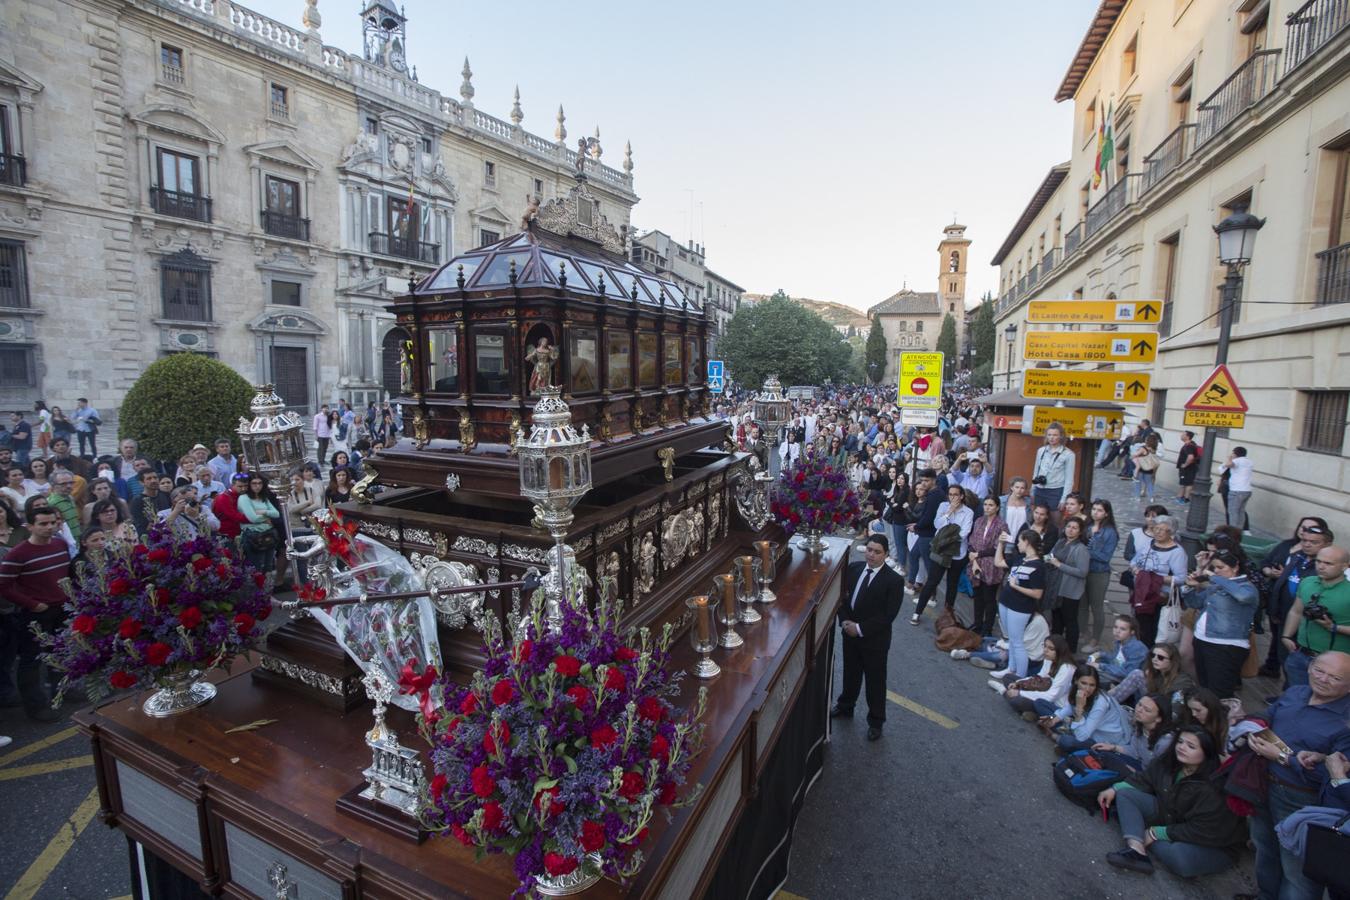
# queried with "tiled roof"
point(1101, 26)
point(908, 303)
point(1038, 200)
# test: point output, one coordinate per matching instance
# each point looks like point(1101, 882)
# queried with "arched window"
point(954, 265)
point(918, 326)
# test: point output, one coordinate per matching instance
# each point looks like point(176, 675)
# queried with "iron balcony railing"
point(405, 248)
point(13, 170)
point(180, 205)
point(1033, 275)
point(1072, 238)
point(285, 225)
point(1239, 92)
point(1049, 261)
point(1333, 276)
point(1167, 156)
point(1311, 27)
point(1113, 203)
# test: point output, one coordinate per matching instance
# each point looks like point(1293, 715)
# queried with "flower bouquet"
point(561, 749)
point(158, 613)
point(815, 497)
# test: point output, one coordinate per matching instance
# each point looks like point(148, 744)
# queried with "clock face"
point(396, 55)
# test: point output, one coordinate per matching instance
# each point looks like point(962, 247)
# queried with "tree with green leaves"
point(778, 336)
point(181, 400)
point(983, 333)
point(946, 342)
point(875, 356)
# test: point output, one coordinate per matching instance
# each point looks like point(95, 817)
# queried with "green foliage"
point(983, 333)
point(785, 338)
point(983, 376)
point(181, 400)
point(876, 351)
point(946, 342)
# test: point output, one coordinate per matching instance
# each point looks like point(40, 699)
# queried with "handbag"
point(1326, 844)
point(1033, 683)
point(1147, 594)
point(259, 540)
point(1169, 621)
point(1251, 666)
point(1127, 579)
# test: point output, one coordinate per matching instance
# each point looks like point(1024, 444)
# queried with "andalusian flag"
point(1106, 148)
point(408, 210)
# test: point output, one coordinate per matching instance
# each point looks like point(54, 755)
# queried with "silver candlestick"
point(395, 776)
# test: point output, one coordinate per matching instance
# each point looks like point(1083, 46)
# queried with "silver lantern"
point(772, 411)
point(273, 445)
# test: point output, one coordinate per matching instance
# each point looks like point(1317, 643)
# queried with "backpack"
point(1081, 776)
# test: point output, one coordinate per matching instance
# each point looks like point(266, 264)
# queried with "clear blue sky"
point(825, 145)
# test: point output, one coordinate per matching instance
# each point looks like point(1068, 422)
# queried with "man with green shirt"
point(1327, 594)
point(60, 499)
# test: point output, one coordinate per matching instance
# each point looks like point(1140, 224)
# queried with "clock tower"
point(385, 30)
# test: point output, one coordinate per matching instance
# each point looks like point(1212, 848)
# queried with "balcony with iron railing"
point(1072, 238)
point(13, 170)
point(1239, 92)
point(405, 248)
point(285, 225)
point(1168, 155)
point(1112, 204)
point(1311, 27)
point(180, 205)
point(1049, 261)
point(1333, 276)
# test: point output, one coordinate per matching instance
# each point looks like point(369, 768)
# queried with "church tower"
point(952, 258)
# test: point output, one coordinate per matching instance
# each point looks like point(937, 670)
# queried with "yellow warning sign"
point(1218, 393)
point(921, 380)
point(1204, 418)
point(1092, 346)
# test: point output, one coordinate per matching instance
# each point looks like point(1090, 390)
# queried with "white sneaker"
point(997, 687)
point(960, 654)
point(914, 619)
point(5, 740)
point(1001, 643)
point(998, 674)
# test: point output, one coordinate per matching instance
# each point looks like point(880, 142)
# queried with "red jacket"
point(226, 508)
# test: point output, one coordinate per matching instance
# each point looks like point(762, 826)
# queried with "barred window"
point(186, 287)
point(17, 368)
point(1324, 421)
point(13, 280)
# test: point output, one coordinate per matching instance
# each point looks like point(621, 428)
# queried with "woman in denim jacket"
point(1229, 600)
point(1102, 540)
point(1090, 716)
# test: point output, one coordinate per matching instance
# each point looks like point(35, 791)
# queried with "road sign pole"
point(1197, 518)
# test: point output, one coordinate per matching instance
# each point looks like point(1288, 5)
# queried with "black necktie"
point(866, 583)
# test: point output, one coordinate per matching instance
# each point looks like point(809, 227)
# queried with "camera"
point(1202, 576)
point(1315, 610)
point(192, 503)
point(1039, 480)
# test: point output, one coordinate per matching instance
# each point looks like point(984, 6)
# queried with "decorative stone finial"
point(628, 157)
point(311, 18)
point(595, 147)
point(517, 114)
point(560, 133)
point(466, 87)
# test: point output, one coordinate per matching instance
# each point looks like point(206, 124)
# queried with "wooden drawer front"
point(171, 816)
point(780, 695)
point(682, 882)
point(253, 863)
point(826, 610)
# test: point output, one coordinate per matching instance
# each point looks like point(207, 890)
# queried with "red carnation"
point(258, 578)
point(201, 564)
point(803, 497)
point(119, 586)
point(492, 815)
point(190, 617)
point(244, 623)
point(580, 695)
point(651, 709)
point(157, 653)
point(265, 612)
point(139, 550)
point(438, 785)
point(603, 736)
point(158, 555)
point(625, 654)
point(469, 703)
point(483, 783)
point(631, 785)
point(827, 495)
point(461, 835)
point(801, 476)
point(503, 692)
point(121, 680)
point(592, 836)
point(498, 735)
point(222, 570)
point(615, 680)
point(128, 628)
point(558, 865)
point(162, 596)
point(660, 747)
point(567, 666)
point(523, 651)
point(547, 801)
point(83, 624)
point(666, 796)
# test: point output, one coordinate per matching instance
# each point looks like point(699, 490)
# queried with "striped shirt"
point(31, 573)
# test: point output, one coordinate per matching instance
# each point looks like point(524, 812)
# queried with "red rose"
point(128, 628)
point(139, 550)
point(558, 865)
point(121, 680)
point(258, 578)
point(119, 586)
point(523, 651)
point(438, 785)
point(651, 709)
point(547, 801)
point(201, 564)
point(592, 836)
point(190, 617)
point(158, 555)
point(492, 815)
point(483, 783)
point(83, 624)
point(497, 735)
point(581, 696)
point(461, 835)
point(660, 748)
point(794, 518)
point(567, 666)
point(615, 680)
point(625, 654)
point(222, 570)
point(803, 497)
point(666, 795)
point(827, 495)
point(469, 703)
point(801, 476)
point(244, 623)
point(157, 653)
point(162, 596)
point(503, 692)
point(452, 725)
point(631, 785)
point(603, 736)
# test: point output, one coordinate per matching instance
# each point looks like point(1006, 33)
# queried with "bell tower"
point(385, 31)
point(952, 257)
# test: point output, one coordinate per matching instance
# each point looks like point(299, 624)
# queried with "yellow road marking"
point(787, 895)
point(56, 849)
point(57, 765)
point(30, 749)
point(921, 710)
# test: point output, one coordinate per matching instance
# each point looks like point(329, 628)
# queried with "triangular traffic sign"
point(1218, 393)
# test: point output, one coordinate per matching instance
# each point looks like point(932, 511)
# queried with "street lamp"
point(1237, 240)
point(1010, 335)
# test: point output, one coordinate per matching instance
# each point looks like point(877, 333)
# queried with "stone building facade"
point(686, 265)
point(912, 320)
point(1214, 107)
point(202, 178)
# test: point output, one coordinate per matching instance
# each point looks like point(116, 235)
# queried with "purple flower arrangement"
point(142, 612)
point(562, 748)
point(814, 496)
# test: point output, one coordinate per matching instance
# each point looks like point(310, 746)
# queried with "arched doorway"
point(389, 361)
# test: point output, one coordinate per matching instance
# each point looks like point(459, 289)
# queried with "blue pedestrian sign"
point(716, 376)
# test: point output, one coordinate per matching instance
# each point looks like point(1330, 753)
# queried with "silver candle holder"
point(703, 635)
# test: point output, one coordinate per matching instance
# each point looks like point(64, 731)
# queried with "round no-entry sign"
point(919, 385)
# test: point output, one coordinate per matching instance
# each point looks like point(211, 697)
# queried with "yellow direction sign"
point(1070, 384)
point(1218, 393)
point(1077, 423)
point(1104, 312)
point(921, 380)
point(1213, 418)
point(1092, 346)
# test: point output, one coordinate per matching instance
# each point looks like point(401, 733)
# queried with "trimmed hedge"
point(182, 400)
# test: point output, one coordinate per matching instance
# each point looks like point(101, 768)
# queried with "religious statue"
point(637, 416)
point(611, 573)
point(696, 531)
point(542, 355)
point(405, 367)
point(531, 212)
point(646, 578)
point(466, 439)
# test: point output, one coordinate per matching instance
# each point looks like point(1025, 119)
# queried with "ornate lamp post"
point(1010, 335)
point(771, 412)
point(273, 444)
point(555, 472)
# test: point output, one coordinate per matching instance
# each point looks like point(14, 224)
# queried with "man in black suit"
point(870, 598)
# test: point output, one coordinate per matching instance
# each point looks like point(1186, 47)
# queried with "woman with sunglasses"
point(1161, 674)
point(1222, 633)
